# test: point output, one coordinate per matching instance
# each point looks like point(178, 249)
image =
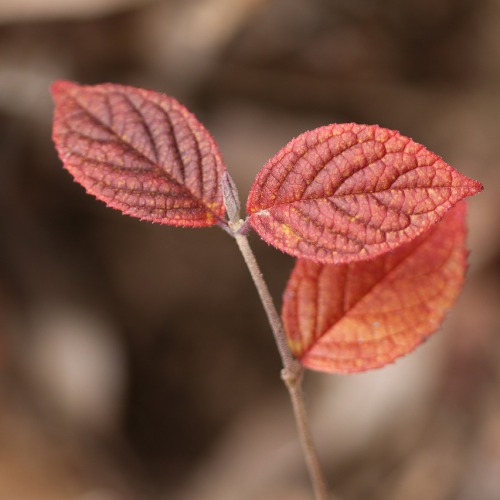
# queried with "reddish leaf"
point(342, 318)
point(348, 192)
point(140, 152)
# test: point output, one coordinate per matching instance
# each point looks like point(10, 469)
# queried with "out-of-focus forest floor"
point(135, 359)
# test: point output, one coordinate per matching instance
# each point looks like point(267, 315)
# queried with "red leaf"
point(348, 192)
point(342, 318)
point(140, 152)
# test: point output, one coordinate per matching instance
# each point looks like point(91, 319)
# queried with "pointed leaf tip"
point(139, 151)
point(348, 192)
point(59, 86)
point(343, 318)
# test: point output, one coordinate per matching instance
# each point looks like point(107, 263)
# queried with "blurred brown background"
point(135, 360)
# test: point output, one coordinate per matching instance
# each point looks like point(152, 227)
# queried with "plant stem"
point(306, 439)
point(289, 362)
point(292, 370)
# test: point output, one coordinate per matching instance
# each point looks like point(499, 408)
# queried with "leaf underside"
point(348, 192)
point(140, 152)
point(342, 318)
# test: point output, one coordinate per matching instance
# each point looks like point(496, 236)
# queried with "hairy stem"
point(292, 370)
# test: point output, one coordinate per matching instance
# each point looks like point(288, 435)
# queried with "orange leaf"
point(348, 192)
point(140, 152)
point(342, 318)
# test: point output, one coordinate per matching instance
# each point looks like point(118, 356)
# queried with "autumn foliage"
point(375, 219)
point(347, 192)
point(140, 152)
point(361, 315)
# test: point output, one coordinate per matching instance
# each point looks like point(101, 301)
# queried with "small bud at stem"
point(231, 198)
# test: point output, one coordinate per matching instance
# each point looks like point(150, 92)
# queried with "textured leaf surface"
point(342, 318)
point(140, 152)
point(348, 192)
